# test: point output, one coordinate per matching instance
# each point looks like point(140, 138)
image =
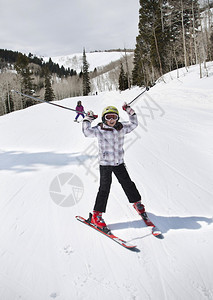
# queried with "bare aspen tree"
point(202, 49)
point(209, 27)
point(127, 69)
point(158, 54)
point(194, 34)
point(183, 35)
point(161, 13)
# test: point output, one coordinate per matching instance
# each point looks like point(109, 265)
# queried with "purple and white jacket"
point(110, 139)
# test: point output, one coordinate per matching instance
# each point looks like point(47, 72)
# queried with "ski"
point(108, 233)
point(155, 231)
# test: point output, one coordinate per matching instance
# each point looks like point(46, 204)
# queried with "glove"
point(128, 109)
point(90, 116)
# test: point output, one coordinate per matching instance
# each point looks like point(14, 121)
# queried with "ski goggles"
point(111, 116)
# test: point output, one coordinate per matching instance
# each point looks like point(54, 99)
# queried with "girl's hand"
point(128, 109)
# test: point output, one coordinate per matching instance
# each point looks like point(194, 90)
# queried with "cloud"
point(54, 28)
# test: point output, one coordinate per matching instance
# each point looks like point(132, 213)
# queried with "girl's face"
point(111, 119)
point(111, 122)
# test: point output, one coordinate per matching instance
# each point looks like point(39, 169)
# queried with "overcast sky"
point(51, 28)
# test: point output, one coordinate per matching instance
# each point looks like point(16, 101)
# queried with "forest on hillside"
point(46, 80)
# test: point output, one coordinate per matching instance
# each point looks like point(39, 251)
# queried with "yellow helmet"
point(110, 109)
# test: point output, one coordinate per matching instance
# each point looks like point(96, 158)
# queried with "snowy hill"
point(48, 175)
point(95, 59)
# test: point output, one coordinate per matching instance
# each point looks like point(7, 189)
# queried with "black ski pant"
point(105, 184)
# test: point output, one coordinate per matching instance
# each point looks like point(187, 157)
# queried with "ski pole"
point(146, 89)
point(40, 100)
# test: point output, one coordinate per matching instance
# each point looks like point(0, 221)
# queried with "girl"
point(110, 134)
point(79, 108)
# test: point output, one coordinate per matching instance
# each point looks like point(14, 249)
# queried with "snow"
point(94, 59)
point(45, 253)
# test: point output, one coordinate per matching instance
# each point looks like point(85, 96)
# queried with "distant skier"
point(79, 108)
point(110, 134)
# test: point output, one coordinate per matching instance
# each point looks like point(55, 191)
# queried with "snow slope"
point(46, 254)
point(95, 59)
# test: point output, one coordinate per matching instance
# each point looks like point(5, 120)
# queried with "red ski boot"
point(139, 207)
point(98, 220)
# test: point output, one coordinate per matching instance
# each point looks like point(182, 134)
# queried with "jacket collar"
point(104, 126)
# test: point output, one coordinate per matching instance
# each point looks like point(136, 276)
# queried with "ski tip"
point(134, 249)
point(159, 236)
point(79, 218)
point(130, 247)
point(157, 233)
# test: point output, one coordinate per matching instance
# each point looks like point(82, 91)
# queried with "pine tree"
point(85, 75)
point(149, 56)
point(123, 81)
point(9, 104)
point(49, 94)
point(23, 70)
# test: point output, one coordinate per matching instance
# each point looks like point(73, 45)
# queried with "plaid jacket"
point(110, 139)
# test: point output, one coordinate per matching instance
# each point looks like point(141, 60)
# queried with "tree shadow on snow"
point(20, 161)
point(165, 223)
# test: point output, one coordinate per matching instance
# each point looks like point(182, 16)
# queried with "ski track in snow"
point(46, 254)
point(178, 172)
